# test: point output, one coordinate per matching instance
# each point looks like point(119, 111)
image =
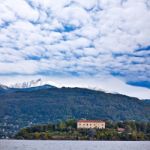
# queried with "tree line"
point(67, 130)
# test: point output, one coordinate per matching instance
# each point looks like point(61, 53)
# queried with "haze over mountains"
point(29, 84)
point(93, 85)
point(32, 83)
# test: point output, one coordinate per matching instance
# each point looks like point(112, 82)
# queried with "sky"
point(100, 44)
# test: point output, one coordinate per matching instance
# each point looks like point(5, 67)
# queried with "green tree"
point(37, 135)
point(62, 125)
point(134, 136)
point(128, 129)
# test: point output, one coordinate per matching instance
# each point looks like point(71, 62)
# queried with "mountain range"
point(29, 84)
point(20, 107)
point(25, 86)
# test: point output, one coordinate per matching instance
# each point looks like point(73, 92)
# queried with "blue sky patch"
point(141, 83)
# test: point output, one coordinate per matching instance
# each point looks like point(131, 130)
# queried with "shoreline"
point(76, 140)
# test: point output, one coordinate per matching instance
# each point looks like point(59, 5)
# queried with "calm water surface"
point(72, 145)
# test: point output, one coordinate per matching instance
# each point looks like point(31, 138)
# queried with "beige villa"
point(90, 124)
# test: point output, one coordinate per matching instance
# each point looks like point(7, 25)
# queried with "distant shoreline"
point(70, 140)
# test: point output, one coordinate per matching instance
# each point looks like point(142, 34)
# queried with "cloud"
point(76, 38)
point(18, 9)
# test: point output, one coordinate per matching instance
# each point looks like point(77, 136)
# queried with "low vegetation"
point(68, 131)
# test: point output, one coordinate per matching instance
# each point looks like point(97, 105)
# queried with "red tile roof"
point(120, 129)
point(94, 121)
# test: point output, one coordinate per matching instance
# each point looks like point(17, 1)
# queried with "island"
point(73, 130)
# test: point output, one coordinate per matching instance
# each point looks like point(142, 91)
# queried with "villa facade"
point(90, 124)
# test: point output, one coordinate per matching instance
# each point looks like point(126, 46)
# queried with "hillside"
point(19, 108)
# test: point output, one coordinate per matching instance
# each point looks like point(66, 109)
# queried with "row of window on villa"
point(91, 125)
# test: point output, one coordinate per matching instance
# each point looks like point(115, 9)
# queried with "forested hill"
point(20, 108)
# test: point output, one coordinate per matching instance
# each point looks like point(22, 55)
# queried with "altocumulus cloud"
point(83, 40)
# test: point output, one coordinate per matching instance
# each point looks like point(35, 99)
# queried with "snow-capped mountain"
point(32, 83)
point(3, 86)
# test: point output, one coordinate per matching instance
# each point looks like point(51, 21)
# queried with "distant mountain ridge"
point(39, 83)
point(3, 86)
point(33, 85)
point(29, 84)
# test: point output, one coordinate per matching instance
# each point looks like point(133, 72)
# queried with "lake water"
point(73, 145)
